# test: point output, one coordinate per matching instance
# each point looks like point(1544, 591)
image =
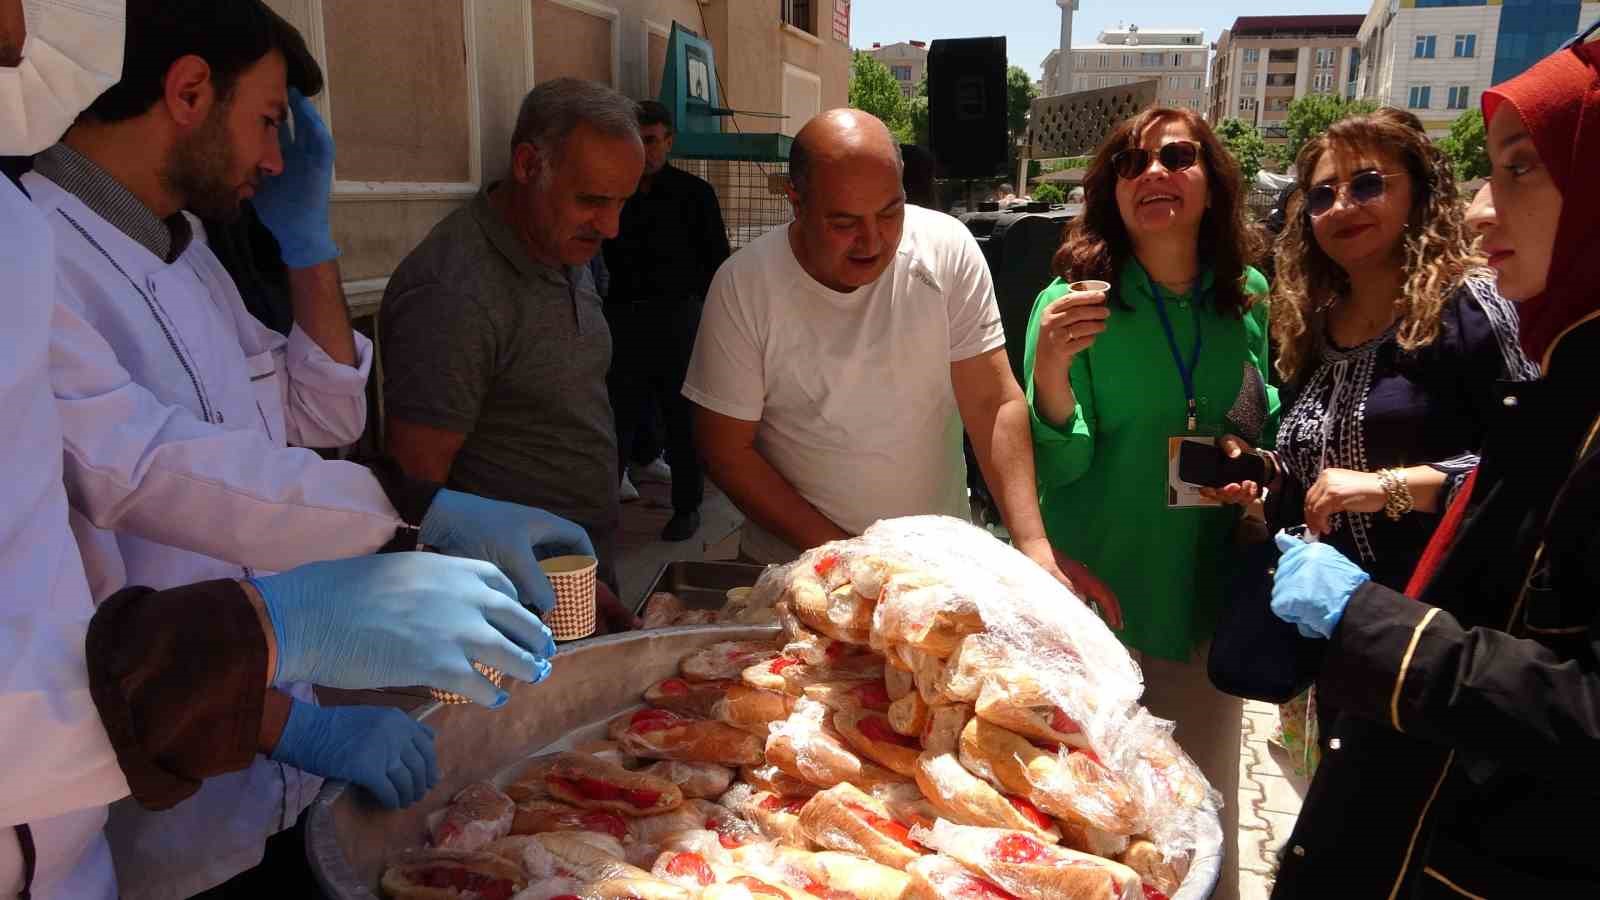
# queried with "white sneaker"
point(657, 471)
point(627, 493)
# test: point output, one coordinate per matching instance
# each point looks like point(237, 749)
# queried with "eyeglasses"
point(1175, 157)
point(1364, 188)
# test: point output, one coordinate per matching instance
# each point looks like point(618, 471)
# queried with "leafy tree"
point(1244, 141)
point(1020, 94)
point(1312, 114)
point(1049, 192)
point(874, 90)
point(1466, 146)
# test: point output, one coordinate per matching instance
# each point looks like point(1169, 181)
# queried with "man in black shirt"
point(670, 245)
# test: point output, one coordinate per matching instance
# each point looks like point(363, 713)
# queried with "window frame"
point(1425, 46)
point(1470, 42)
point(1422, 91)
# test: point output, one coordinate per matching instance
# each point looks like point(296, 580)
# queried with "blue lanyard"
point(1185, 370)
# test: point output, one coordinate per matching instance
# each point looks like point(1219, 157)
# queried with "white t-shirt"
point(852, 391)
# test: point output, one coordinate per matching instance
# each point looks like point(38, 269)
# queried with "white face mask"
point(72, 54)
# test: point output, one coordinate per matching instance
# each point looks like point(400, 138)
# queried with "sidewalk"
point(1269, 791)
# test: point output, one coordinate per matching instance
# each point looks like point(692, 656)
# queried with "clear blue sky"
point(1031, 27)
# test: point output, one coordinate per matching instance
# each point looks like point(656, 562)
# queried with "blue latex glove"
point(510, 535)
point(294, 205)
point(382, 749)
point(1313, 586)
point(402, 619)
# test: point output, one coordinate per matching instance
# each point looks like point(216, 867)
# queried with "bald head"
point(843, 138)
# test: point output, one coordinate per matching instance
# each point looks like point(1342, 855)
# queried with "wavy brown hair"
point(1439, 248)
point(1097, 243)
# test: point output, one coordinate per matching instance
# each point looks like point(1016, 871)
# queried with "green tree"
point(1049, 192)
point(1312, 114)
point(1244, 141)
point(1467, 146)
point(1020, 94)
point(874, 90)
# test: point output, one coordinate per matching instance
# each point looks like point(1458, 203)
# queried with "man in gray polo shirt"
point(495, 347)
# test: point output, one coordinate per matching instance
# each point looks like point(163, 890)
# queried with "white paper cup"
point(1082, 287)
point(573, 580)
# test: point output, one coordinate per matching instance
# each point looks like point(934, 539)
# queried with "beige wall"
point(422, 104)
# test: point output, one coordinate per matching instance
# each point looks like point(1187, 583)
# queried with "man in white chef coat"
point(179, 409)
point(61, 767)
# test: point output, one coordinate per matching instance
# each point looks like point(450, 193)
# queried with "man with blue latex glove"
point(402, 619)
point(294, 204)
point(505, 534)
point(1313, 585)
point(382, 749)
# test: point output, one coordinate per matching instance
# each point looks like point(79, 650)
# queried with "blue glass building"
point(1530, 30)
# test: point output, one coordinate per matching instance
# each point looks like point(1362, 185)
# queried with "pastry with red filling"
point(724, 661)
point(871, 735)
point(452, 875)
point(659, 734)
point(590, 783)
point(843, 818)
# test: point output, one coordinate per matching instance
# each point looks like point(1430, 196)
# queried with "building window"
point(1177, 60)
point(1248, 79)
point(1458, 97)
point(1322, 82)
point(1149, 60)
point(1355, 64)
point(900, 73)
point(1466, 45)
point(797, 13)
point(1275, 131)
point(1127, 60)
point(1421, 95)
point(1199, 82)
point(1247, 104)
point(1252, 55)
point(1280, 79)
point(1283, 56)
point(1326, 57)
point(1175, 83)
point(1277, 104)
point(1105, 60)
point(1423, 49)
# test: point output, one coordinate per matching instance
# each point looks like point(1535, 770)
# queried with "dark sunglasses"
point(1175, 157)
point(1364, 188)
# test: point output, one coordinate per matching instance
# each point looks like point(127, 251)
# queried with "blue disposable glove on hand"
point(1313, 586)
point(382, 749)
point(294, 205)
point(403, 619)
point(510, 535)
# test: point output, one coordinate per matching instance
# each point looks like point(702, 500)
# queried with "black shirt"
point(671, 241)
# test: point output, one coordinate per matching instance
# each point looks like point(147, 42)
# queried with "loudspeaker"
point(967, 106)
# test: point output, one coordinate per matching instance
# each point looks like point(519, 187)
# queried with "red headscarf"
point(1559, 100)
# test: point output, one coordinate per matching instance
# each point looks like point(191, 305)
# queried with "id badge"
point(1181, 494)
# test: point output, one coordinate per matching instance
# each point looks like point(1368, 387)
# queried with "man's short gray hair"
point(553, 110)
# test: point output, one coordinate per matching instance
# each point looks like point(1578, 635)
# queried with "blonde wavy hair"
point(1440, 250)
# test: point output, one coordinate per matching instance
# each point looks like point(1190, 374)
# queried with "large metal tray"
point(349, 839)
point(701, 585)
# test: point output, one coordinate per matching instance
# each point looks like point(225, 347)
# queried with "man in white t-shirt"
point(838, 359)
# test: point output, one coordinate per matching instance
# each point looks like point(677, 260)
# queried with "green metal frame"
point(691, 90)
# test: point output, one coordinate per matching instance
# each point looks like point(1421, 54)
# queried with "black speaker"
point(967, 106)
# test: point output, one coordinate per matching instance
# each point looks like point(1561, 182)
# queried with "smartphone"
point(1210, 466)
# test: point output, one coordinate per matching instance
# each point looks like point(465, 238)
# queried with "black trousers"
point(650, 347)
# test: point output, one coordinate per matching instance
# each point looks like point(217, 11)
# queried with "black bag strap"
point(30, 859)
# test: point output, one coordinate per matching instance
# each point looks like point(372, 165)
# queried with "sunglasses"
point(1175, 157)
point(1364, 188)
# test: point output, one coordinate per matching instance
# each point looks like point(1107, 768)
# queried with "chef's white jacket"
point(59, 770)
point(177, 409)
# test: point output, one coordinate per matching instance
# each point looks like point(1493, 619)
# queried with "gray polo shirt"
point(478, 338)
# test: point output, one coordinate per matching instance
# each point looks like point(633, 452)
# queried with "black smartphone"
point(1209, 466)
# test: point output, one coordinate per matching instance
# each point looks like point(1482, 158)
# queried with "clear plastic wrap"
point(1033, 659)
point(845, 819)
point(806, 746)
point(1029, 868)
point(696, 780)
point(478, 816)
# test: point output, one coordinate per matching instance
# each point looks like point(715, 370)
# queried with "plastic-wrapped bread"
point(528, 783)
point(789, 675)
point(724, 661)
point(963, 797)
point(715, 879)
point(926, 671)
point(591, 783)
point(1029, 868)
point(909, 714)
point(843, 818)
point(697, 780)
point(607, 751)
point(834, 874)
point(693, 699)
point(1005, 704)
point(774, 780)
point(847, 695)
point(732, 830)
point(1157, 871)
point(837, 612)
point(659, 734)
point(976, 658)
point(801, 642)
point(807, 746)
point(776, 817)
point(900, 682)
point(654, 829)
point(440, 874)
point(661, 609)
point(631, 888)
point(577, 856)
point(477, 816)
point(871, 735)
point(752, 709)
point(938, 877)
point(540, 816)
point(921, 611)
point(869, 572)
point(1072, 786)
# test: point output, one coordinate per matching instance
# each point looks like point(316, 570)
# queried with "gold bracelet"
point(1397, 493)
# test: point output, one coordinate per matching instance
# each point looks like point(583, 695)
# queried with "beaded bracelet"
point(1397, 493)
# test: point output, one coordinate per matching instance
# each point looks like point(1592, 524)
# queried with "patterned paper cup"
point(489, 672)
point(573, 580)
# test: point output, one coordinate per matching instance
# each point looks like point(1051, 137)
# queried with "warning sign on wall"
point(841, 20)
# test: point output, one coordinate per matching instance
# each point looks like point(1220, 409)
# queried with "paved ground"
point(1269, 791)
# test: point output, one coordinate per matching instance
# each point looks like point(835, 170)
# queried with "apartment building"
point(1175, 58)
point(1264, 63)
point(1436, 57)
point(907, 62)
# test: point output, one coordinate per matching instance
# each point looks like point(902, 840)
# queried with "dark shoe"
point(682, 527)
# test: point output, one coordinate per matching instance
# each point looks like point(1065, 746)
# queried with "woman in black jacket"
point(1464, 764)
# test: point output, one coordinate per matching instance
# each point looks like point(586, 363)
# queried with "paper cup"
point(489, 672)
point(573, 579)
point(1080, 287)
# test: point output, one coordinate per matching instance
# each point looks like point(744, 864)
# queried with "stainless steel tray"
point(701, 585)
point(349, 839)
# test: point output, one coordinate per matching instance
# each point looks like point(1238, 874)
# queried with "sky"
point(1031, 27)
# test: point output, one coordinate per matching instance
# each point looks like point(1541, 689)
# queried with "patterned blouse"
point(1377, 406)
